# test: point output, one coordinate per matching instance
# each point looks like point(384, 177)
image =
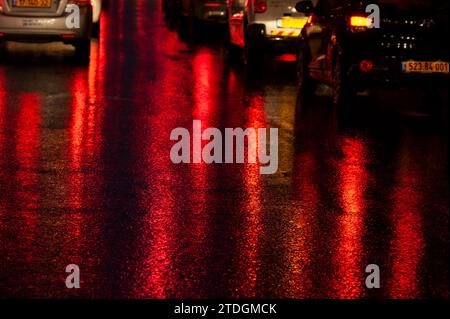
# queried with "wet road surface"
point(86, 178)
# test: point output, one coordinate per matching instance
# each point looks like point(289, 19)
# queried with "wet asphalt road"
point(86, 178)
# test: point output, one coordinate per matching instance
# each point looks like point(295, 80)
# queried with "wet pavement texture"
point(86, 177)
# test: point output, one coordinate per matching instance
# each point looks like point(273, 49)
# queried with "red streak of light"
point(350, 251)
point(297, 276)
point(287, 57)
point(27, 152)
point(2, 111)
point(408, 243)
point(248, 249)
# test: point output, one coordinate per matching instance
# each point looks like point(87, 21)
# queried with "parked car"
point(341, 47)
point(257, 26)
point(195, 14)
point(46, 21)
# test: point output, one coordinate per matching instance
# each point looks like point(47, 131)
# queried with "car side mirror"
point(305, 6)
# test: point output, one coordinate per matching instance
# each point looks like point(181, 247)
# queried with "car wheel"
point(305, 83)
point(341, 90)
point(172, 15)
point(234, 51)
point(195, 28)
point(83, 50)
point(184, 26)
point(3, 51)
point(96, 29)
point(252, 53)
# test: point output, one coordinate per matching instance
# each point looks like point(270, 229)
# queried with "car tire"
point(96, 29)
point(172, 14)
point(83, 50)
point(305, 84)
point(341, 90)
point(196, 28)
point(252, 54)
point(184, 26)
point(3, 51)
point(234, 51)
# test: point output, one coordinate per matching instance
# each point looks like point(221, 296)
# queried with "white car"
point(256, 26)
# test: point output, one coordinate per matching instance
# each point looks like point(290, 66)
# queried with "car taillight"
point(366, 66)
point(260, 6)
point(360, 22)
point(211, 4)
point(312, 19)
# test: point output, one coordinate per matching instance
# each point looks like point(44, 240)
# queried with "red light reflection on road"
point(157, 242)
point(407, 245)
point(27, 148)
point(353, 179)
point(2, 112)
point(85, 131)
point(251, 230)
point(153, 278)
point(297, 281)
point(27, 155)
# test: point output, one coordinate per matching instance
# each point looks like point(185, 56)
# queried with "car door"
point(236, 16)
point(319, 36)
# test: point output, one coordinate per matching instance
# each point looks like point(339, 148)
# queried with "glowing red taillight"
point(366, 66)
point(260, 6)
point(211, 5)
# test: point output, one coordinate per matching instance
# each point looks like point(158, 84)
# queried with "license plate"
point(425, 67)
point(291, 23)
point(33, 3)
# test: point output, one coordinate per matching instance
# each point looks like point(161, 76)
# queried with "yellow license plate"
point(33, 3)
point(291, 23)
point(425, 67)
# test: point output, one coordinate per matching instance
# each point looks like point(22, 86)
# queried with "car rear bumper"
point(387, 51)
point(385, 76)
point(213, 14)
point(283, 42)
point(45, 29)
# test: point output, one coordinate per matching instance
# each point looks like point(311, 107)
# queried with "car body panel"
point(42, 25)
point(267, 26)
point(96, 10)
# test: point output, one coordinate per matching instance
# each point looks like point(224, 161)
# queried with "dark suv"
point(341, 46)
